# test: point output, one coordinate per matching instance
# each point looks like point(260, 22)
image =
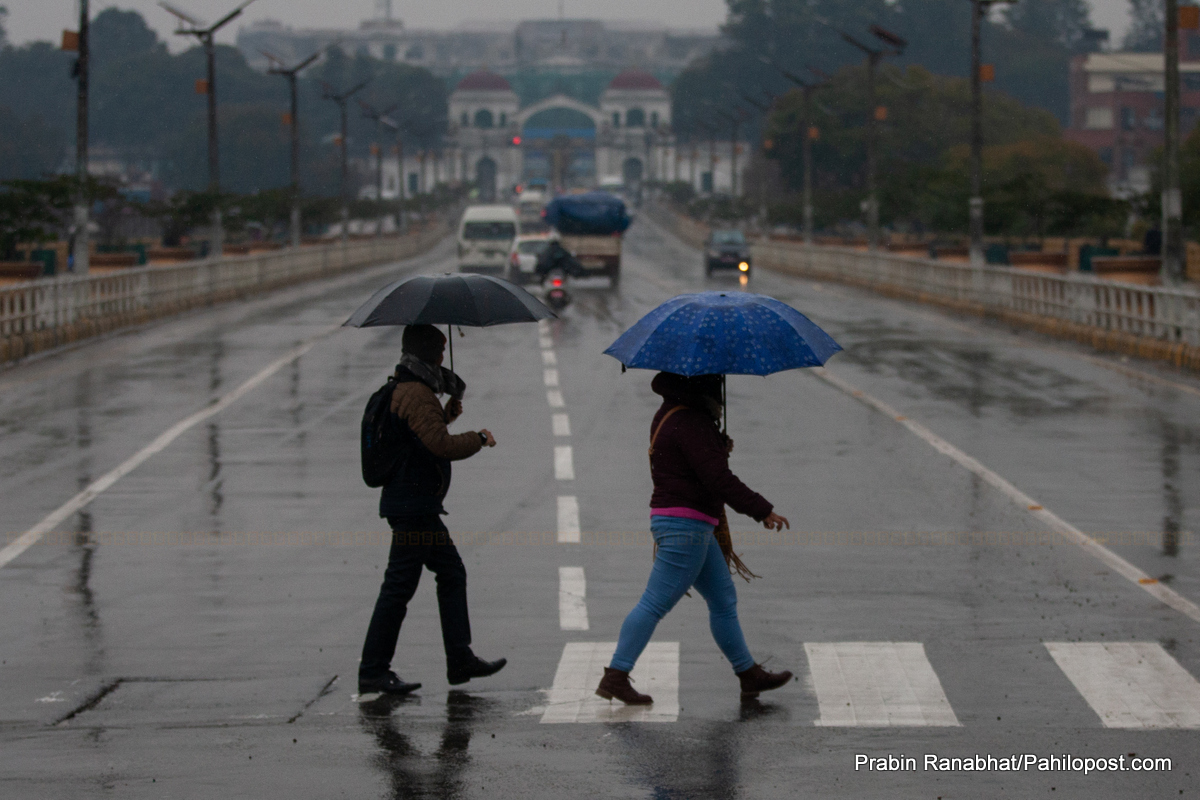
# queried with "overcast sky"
point(45, 19)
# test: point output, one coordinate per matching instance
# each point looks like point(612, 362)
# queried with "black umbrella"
point(477, 301)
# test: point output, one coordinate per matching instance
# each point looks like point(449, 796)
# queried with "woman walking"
point(689, 464)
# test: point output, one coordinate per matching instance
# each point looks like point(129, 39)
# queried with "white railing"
point(48, 305)
point(1170, 315)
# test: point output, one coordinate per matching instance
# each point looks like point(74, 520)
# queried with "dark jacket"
point(421, 483)
point(690, 464)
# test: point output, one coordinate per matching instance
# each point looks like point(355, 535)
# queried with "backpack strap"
point(661, 422)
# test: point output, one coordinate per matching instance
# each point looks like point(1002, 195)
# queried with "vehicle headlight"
point(744, 266)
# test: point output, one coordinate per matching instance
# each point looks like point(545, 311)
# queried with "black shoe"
point(473, 667)
point(388, 684)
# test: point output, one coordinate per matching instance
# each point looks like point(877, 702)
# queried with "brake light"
point(515, 260)
point(557, 282)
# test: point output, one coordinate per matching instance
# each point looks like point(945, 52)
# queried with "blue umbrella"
point(719, 333)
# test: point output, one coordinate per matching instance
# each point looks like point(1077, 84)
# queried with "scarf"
point(437, 378)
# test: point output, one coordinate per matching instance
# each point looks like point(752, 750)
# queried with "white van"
point(485, 237)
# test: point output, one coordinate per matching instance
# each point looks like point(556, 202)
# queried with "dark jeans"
point(418, 542)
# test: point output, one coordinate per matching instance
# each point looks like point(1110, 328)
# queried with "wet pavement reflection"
point(412, 773)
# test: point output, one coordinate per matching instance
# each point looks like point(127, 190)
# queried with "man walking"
point(411, 502)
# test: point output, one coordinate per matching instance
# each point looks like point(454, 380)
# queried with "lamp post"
point(1173, 261)
point(205, 36)
point(370, 112)
point(808, 89)
point(341, 100)
point(895, 46)
point(82, 72)
point(388, 122)
point(294, 121)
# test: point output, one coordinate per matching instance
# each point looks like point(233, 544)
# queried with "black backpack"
point(383, 442)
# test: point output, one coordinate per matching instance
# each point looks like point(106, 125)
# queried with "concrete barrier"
point(40, 315)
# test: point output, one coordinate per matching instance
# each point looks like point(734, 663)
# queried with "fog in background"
point(45, 19)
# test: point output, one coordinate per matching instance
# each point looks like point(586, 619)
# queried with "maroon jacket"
point(690, 465)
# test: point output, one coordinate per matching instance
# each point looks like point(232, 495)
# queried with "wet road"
point(194, 630)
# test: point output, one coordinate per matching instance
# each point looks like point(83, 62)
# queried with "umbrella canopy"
point(719, 333)
point(472, 300)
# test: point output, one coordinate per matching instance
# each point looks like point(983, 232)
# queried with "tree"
point(32, 211)
point(1146, 25)
point(1063, 22)
point(3, 29)
point(29, 148)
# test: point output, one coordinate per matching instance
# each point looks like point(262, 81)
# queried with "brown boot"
point(756, 679)
point(615, 683)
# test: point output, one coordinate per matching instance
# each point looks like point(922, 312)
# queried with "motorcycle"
point(554, 264)
point(555, 284)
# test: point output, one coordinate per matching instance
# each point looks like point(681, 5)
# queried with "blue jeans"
point(688, 555)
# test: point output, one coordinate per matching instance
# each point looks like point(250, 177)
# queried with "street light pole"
point(874, 56)
point(83, 69)
point(807, 89)
point(978, 9)
point(205, 37)
point(1173, 261)
point(370, 112)
point(294, 119)
point(341, 100)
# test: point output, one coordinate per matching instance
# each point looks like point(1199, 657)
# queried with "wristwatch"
point(482, 438)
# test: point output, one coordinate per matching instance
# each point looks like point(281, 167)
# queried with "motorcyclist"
point(555, 256)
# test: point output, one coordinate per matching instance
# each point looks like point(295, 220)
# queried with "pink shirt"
point(687, 513)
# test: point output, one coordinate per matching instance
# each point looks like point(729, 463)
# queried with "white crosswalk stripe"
point(573, 696)
point(877, 684)
point(562, 424)
point(568, 519)
point(1130, 684)
point(564, 463)
point(572, 599)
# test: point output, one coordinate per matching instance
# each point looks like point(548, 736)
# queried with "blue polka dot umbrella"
point(719, 333)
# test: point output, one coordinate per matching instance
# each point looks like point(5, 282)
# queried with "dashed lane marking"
point(160, 443)
point(564, 464)
point(877, 684)
point(1130, 684)
point(1110, 559)
point(573, 696)
point(568, 519)
point(572, 599)
point(546, 342)
point(549, 358)
point(550, 377)
point(555, 399)
point(562, 424)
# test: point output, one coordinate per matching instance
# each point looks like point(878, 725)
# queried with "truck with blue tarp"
point(590, 227)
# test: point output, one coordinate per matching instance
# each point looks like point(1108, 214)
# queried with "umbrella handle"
point(724, 409)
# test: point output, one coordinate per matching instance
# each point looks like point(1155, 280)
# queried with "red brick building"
point(1117, 110)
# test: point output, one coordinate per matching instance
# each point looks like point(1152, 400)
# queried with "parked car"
point(726, 250)
point(522, 258)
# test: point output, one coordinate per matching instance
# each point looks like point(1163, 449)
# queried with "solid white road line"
point(1131, 684)
point(555, 399)
point(549, 358)
point(573, 696)
point(562, 424)
point(572, 599)
point(877, 684)
point(568, 519)
point(1110, 559)
point(160, 443)
point(564, 465)
point(550, 377)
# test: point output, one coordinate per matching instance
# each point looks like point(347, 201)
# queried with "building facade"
point(1117, 111)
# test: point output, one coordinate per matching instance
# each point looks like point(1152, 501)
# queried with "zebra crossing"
point(1131, 685)
point(880, 684)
